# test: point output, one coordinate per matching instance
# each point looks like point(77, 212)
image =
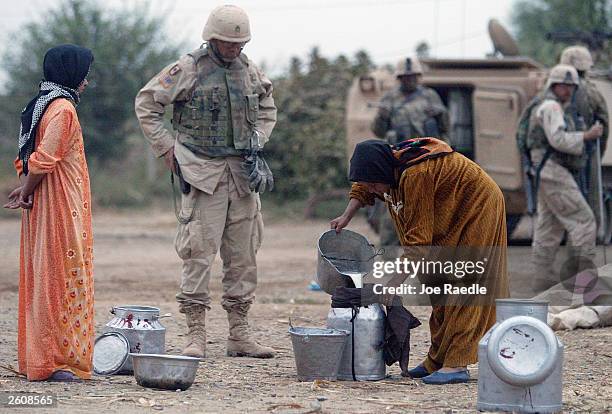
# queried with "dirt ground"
point(135, 263)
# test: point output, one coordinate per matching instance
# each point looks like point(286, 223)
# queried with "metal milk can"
point(520, 360)
point(365, 342)
point(341, 254)
point(141, 327)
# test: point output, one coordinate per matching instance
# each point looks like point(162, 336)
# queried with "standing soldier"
point(223, 113)
point(411, 110)
point(558, 151)
point(589, 106)
point(589, 103)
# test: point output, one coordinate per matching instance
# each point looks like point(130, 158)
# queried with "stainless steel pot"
point(141, 327)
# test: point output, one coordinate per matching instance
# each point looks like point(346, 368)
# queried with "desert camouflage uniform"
point(419, 114)
point(592, 107)
point(401, 117)
point(217, 107)
point(561, 205)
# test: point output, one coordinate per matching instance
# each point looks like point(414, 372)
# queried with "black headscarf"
point(373, 162)
point(65, 67)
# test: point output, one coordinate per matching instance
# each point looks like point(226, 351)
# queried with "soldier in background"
point(588, 102)
point(223, 113)
point(589, 106)
point(557, 147)
point(410, 110)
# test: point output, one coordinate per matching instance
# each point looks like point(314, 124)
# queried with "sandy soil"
point(135, 263)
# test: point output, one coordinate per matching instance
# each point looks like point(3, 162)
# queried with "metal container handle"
point(167, 315)
point(378, 252)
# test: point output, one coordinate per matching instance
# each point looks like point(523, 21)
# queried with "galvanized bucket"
point(342, 253)
point(317, 352)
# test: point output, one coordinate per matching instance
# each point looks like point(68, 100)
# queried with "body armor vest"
point(219, 118)
point(536, 138)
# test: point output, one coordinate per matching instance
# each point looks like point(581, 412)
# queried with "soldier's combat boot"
point(239, 343)
point(196, 336)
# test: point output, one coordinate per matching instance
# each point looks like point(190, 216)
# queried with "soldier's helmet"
point(228, 23)
point(408, 66)
point(578, 57)
point(563, 74)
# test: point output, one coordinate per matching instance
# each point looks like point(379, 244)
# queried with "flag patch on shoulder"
point(167, 79)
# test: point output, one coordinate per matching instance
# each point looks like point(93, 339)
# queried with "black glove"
point(260, 176)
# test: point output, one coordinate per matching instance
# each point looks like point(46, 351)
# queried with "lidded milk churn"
point(364, 347)
point(344, 259)
point(141, 327)
point(520, 360)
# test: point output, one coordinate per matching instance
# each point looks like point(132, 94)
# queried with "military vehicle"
point(485, 98)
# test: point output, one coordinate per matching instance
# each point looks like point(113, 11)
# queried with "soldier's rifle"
point(594, 39)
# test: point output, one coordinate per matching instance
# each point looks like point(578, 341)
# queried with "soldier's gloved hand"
point(259, 174)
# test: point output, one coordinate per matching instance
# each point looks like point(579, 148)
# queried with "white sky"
point(386, 29)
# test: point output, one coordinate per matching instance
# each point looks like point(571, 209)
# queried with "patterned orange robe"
point(56, 330)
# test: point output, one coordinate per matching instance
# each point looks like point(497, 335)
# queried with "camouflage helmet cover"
point(407, 67)
point(228, 23)
point(563, 74)
point(578, 57)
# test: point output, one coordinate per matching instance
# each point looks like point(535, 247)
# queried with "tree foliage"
point(307, 151)
point(533, 19)
point(129, 47)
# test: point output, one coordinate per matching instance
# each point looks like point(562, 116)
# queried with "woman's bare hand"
point(13, 198)
point(339, 223)
point(26, 202)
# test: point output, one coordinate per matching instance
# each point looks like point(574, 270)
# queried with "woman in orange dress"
point(56, 330)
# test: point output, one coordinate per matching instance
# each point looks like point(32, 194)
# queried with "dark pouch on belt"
point(185, 186)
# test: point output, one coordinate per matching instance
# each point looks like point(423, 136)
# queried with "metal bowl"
point(167, 372)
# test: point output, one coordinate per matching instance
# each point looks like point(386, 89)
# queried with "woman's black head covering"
point(67, 65)
point(373, 162)
point(65, 68)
